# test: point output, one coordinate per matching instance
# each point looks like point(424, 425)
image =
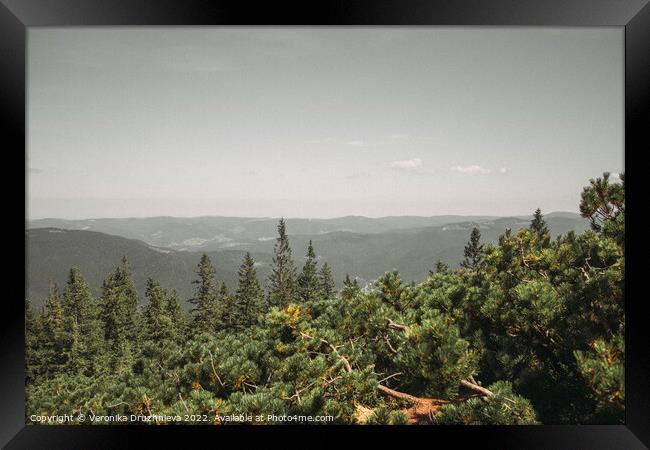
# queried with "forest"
point(528, 330)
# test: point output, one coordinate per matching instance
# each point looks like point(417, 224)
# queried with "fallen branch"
point(399, 395)
point(476, 387)
point(422, 409)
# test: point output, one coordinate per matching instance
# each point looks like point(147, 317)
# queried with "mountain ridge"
point(413, 251)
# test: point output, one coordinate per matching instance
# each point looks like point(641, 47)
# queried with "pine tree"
point(282, 280)
point(158, 325)
point(120, 304)
point(538, 226)
point(56, 338)
point(440, 267)
point(226, 309)
point(33, 340)
point(205, 299)
point(308, 283)
point(350, 287)
point(120, 315)
point(249, 295)
point(175, 313)
point(326, 280)
point(473, 252)
point(82, 318)
point(603, 203)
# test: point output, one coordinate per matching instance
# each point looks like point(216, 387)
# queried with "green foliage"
point(326, 281)
point(205, 313)
point(438, 357)
point(249, 297)
point(384, 416)
point(473, 251)
point(603, 369)
point(350, 287)
point(282, 280)
point(540, 323)
point(502, 408)
point(538, 226)
point(603, 203)
point(308, 282)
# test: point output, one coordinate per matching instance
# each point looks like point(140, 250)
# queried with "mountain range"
point(169, 248)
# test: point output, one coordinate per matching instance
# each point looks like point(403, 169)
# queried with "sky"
point(320, 122)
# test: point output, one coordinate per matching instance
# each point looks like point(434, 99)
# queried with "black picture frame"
point(633, 15)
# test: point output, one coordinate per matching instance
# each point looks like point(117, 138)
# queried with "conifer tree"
point(249, 295)
point(308, 283)
point(326, 280)
point(33, 339)
point(82, 316)
point(538, 226)
point(603, 203)
point(473, 252)
point(282, 280)
point(175, 313)
point(56, 339)
point(120, 304)
point(120, 315)
point(205, 299)
point(226, 309)
point(158, 325)
point(440, 267)
point(350, 287)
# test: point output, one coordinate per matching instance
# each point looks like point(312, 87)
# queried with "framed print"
point(307, 218)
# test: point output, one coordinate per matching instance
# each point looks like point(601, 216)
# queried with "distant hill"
point(215, 233)
point(413, 251)
point(52, 252)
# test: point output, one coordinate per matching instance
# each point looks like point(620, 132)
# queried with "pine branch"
point(389, 377)
point(213, 369)
point(396, 326)
point(476, 388)
point(183, 402)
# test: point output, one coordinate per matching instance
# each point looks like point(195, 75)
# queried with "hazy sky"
point(319, 122)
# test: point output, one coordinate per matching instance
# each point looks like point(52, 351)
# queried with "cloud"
point(406, 164)
point(473, 169)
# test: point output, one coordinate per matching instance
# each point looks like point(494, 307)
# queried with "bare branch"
point(389, 377)
point(214, 370)
point(396, 326)
point(476, 388)
point(183, 402)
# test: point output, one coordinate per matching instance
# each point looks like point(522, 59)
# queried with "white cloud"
point(472, 170)
point(406, 164)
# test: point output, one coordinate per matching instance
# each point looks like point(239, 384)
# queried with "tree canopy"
point(526, 331)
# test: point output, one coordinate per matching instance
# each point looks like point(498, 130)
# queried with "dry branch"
point(396, 326)
point(476, 387)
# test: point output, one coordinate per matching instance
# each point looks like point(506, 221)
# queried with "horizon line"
point(27, 219)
